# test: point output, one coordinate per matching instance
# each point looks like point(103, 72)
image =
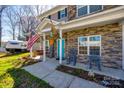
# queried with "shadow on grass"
point(19, 78)
point(12, 54)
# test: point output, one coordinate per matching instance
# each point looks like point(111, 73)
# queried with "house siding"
point(54, 16)
point(106, 7)
point(111, 44)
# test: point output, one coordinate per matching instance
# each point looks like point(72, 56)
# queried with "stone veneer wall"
point(111, 43)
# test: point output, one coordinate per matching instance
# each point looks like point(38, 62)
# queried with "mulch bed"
point(94, 77)
point(25, 61)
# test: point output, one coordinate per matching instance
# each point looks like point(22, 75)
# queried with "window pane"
point(94, 8)
point(82, 41)
point(94, 50)
point(83, 50)
point(95, 38)
point(82, 11)
point(63, 13)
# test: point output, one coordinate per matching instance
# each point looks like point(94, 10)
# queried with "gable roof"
point(46, 23)
point(52, 11)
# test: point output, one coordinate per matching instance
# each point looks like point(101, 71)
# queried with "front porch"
point(114, 73)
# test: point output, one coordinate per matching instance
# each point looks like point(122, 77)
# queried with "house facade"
point(90, 29)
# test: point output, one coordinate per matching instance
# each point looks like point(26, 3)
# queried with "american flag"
point(32, 40)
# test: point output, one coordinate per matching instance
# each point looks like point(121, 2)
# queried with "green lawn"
point(11, 74)
point(2, 54)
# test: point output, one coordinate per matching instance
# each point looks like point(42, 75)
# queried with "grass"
point(2, 54)
point(20, 78)
point(11, 62)
point(11, 74)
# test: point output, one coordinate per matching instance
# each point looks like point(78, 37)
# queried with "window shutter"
point(58, 14)
point(65, 11)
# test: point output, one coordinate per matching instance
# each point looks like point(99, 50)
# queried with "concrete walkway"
point(46, 71)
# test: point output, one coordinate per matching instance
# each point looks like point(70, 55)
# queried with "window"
point(82, 10)
point(49, 16)
point(88, 9)
point(89, 45)
point(14, 43)
point(62, 13)
point(94, 8)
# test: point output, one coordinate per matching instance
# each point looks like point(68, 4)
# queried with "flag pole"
point(31, 52)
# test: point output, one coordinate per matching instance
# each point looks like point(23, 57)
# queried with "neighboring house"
point(3, 44)
point(91, 29)
point(2, 48)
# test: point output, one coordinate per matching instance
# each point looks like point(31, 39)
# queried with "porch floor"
point(115, 73)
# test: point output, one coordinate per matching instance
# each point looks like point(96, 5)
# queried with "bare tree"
point(23, 19)
point(2, 7)
point(11, 20)
point(28, 18)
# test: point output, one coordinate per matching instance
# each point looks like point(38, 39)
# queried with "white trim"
point(44, 47)
point(78, 45)
point(46, 30)
point(60, 58)
point(123, 45)
point(88, 48)
point(88, 9)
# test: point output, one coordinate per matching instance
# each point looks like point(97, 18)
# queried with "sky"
point(5, 28)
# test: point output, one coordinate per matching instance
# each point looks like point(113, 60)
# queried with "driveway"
point(47, 72)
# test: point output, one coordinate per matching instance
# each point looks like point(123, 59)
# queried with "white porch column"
point(123, 44)
point(60, 55)
point(44, 47)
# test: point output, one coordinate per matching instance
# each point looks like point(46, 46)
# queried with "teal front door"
point(63, 48)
